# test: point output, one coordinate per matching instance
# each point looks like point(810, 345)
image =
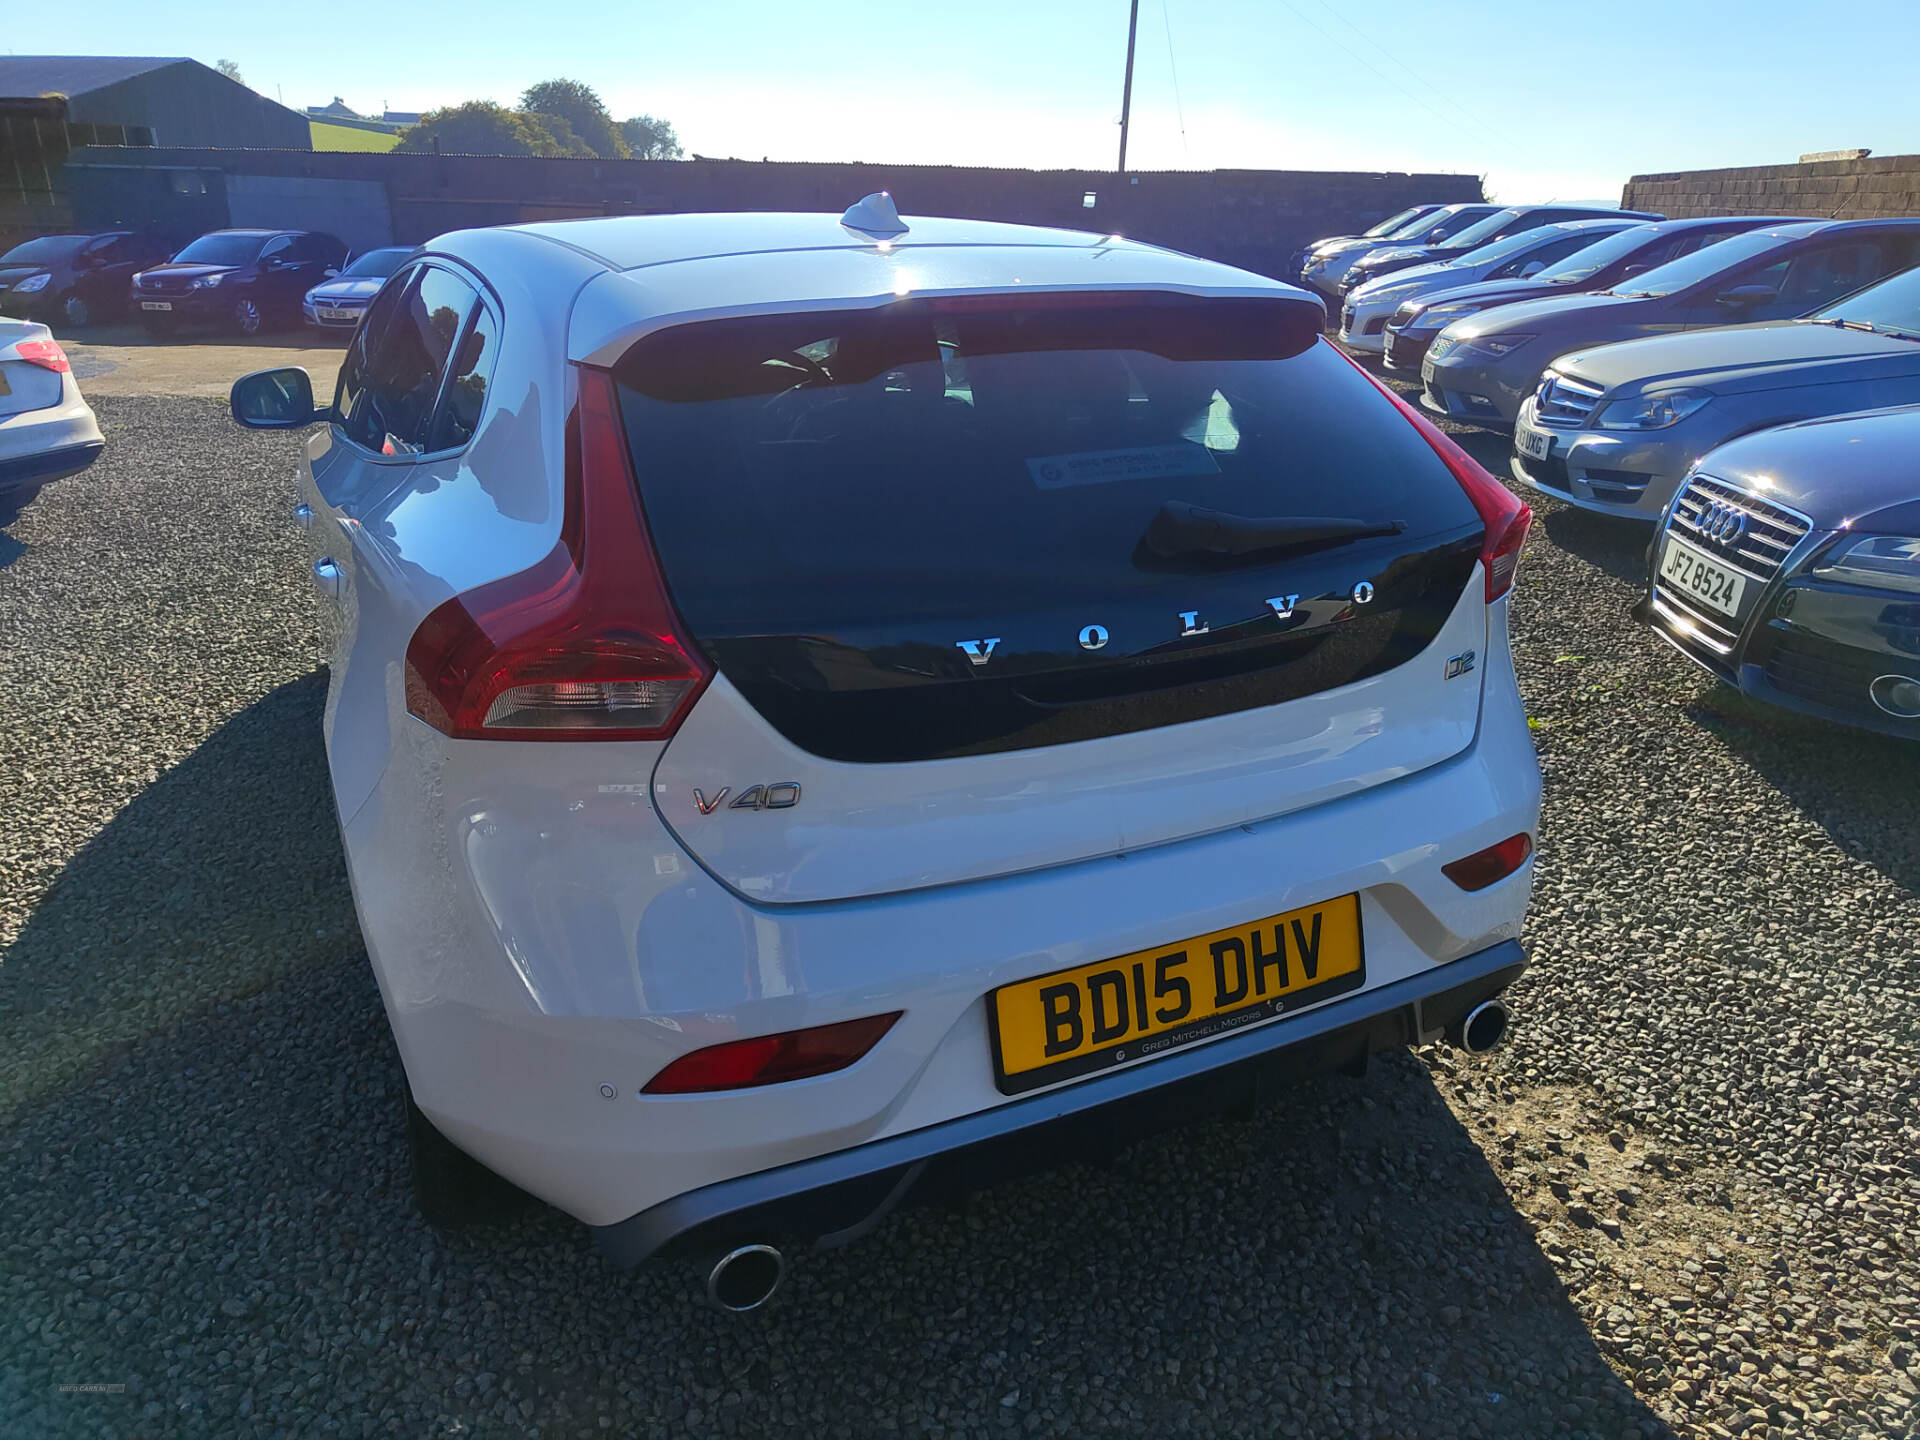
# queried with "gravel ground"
point(1682, 1197)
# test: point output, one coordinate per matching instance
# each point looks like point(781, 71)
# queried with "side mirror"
point(1743, 296)
point(1532, 268)
point(274, 400)
point(1632, 270)
point(331, 272)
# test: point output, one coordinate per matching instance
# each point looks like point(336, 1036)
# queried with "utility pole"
point(1126, 93)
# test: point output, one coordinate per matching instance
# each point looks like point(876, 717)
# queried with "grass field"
point(345, 137)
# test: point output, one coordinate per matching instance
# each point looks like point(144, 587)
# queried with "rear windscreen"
point(927, 461)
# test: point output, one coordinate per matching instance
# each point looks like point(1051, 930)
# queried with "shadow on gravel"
point(1619, 547)
point(205, 1191)
point(10, 548)
point(222, 877)
point(1857, 786)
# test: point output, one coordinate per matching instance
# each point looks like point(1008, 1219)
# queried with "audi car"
point(820, 701)
point(47, 429)
point(1789, 565)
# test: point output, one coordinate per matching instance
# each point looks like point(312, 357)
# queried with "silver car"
point(1483, 367)
point(1617, 428)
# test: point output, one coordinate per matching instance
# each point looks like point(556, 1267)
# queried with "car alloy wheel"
point(74, 311)
point(246, 317)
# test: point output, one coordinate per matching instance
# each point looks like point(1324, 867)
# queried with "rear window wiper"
point(1181, 531)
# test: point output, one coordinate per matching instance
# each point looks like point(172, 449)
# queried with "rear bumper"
point(22, 472)
point(836, 1198)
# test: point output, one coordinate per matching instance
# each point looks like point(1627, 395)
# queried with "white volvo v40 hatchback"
point(827, 708)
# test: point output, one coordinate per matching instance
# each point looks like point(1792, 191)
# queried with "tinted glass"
point(1495, 250)
point(349, 391)
point(222, 249)
point(1826, 272)
point(466, 393)
point(912, 464)
point(1589, 260)
point(47, 250)
point(377, 264)
point(1535, 252)
point(1393, 222)
point(1447, 227)
point(1489, 227)
point(1893, 304)
point(405, 364)
point(1702, 265)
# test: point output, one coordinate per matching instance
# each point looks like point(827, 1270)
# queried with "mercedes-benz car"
point(819, 701)
point(1327, 267)
point(1599, 266)
point(1484, 367)
point(1615, 429)
point(1789, 565)
point(1366, 310)
point(1385, 260)
point(338, 304)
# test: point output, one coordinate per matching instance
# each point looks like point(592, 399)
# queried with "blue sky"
point(1547, 102)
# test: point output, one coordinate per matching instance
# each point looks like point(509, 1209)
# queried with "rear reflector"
point(771, 1059)
point(583, 645)
point(1507, 519)
point(1485, 867)
point(47, 354)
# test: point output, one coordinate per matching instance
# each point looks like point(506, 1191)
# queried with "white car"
point(47, 431)
point(822, 703)
point(1367, 309)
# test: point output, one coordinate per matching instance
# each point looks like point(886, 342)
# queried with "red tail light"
point(770, 1059)
point(47, 354)
point(1507, 519)
point(1484, 867)
point(584, 645)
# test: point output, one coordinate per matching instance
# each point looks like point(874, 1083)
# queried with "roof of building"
point(29, 76)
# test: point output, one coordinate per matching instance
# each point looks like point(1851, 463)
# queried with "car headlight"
point(1650, 412)
point(1492, 347)
point(207, 282)
point(1886, 562)
point(32, 283)
point(1405, 317)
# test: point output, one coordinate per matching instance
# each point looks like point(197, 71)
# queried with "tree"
point(231, 69)
point(651, 139)
point(481, 127)
point(578, 107)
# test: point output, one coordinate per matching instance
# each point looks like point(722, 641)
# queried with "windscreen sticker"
point(1142, 462)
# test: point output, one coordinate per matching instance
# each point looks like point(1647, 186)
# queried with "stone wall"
point(1249, 218)
point(1866, 189)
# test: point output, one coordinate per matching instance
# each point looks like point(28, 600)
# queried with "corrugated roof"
point(26, 77)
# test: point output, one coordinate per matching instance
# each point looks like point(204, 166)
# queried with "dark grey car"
point(1771, 274)
point(1789, 565)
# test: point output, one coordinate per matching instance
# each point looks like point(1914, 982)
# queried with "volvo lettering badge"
point(1093, 637)
point(1362, 593)
point(978, 651)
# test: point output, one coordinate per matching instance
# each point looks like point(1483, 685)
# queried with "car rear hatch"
point(994, 585)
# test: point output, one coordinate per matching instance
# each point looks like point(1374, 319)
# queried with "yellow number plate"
point(1076, 1021)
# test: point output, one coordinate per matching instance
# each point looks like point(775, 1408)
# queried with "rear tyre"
point(451, 1189)
point(247, 318)
point(74, 310)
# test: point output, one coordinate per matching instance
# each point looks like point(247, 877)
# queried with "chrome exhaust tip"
point(1484, 1027)
point(745, 1278)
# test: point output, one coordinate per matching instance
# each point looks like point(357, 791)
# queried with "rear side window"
point(466, 394)
point(926, 462)
point(399, 376)
point(1826, 272)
